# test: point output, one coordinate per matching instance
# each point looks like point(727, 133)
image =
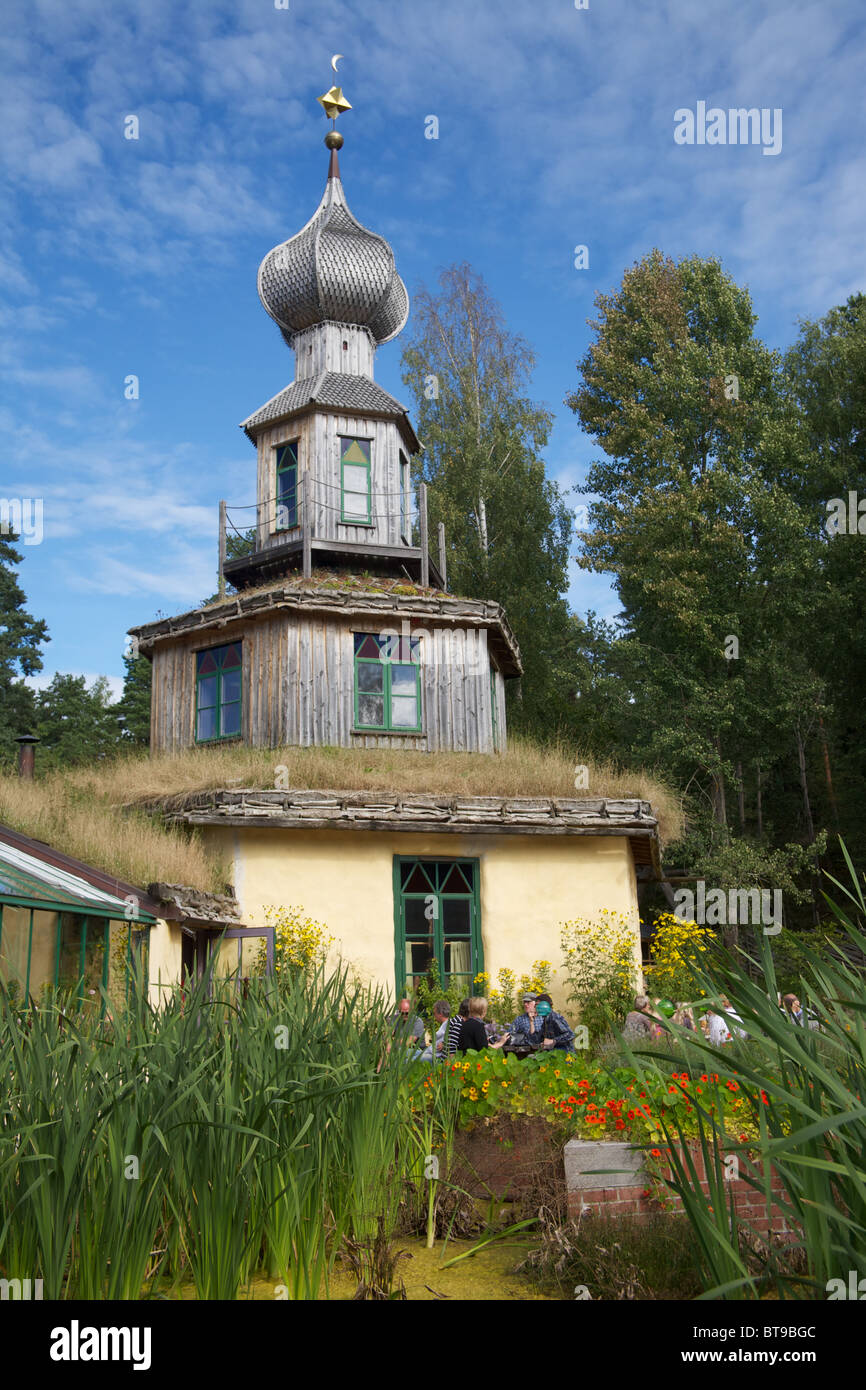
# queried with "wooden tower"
point(341, 631)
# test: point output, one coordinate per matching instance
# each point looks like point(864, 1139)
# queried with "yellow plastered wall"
point(529, 884)
point(165, 959)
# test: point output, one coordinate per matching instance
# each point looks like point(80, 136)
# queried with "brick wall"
point(630, 1191)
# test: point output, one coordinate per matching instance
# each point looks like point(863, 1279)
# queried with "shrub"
point(601, 969)
point(506, 1002)
point(677, 949)
point(300, 944)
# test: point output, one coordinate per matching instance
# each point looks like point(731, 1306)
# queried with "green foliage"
point(429, 989)
point(133, 709)
point(806, 1090)
point(506, 524)
point(268, 1136)
point(601, 970)
point(300, 944)
point(708, 513)
point(76, 724)
point(21, 637)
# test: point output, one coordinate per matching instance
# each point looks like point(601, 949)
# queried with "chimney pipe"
point(26, 755)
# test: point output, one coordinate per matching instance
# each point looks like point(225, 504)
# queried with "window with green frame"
point(91, 957)
point(387, 683)
point(437, 918)
point(355, 470)
point(287, 486)
point(218, 693)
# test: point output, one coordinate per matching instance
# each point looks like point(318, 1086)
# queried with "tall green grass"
point(811, 1118)
point(202, 1141)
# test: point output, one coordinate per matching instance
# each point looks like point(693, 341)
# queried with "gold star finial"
point(334, 102)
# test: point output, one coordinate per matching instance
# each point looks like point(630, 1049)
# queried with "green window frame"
point(437, 917)
point(79, 938)
point(218, 693)
point(287, 486)
point(405, 520)
point(387, 687)
point(355, 481)
point(68, 924)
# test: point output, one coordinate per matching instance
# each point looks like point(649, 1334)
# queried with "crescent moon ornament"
point(335, 60)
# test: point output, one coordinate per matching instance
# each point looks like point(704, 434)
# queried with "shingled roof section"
point(354, 394)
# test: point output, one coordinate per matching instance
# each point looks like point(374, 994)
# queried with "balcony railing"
point(305, 541)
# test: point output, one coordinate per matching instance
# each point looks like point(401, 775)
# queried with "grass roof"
point(98, 813)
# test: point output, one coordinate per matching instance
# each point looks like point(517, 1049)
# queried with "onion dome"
point(334, 270)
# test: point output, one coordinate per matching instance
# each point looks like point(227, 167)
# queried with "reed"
point(806, 1089)
point(202, 1141)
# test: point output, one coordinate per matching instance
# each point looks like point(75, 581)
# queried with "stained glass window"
point(438, 919)
point(387, 682)
point(287, 486)
point(218, 693)
point(355, 458)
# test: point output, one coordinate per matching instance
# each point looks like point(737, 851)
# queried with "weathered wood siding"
point(298, 686)
point(334, 347)
point(318, 439)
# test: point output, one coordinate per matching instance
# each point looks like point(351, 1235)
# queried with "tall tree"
point(506, 523)
point(132, 711)
point(713, 559)
point(21, 637)
point(826, 372)
point(75, 723)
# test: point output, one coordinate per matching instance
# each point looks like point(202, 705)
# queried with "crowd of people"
point(537, 1028)
point(717, 1023)
point(540, 1028)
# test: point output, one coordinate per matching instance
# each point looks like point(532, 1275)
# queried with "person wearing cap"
point(555, 1032)
point(526, 1029)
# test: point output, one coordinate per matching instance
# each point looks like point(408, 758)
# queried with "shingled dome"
point(334, 270)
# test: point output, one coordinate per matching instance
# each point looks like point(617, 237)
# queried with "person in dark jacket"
point(473, 1034)
point(555, 1032)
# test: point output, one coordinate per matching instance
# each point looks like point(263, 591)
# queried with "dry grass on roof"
point(97, 814)
point(74, 813)
point(339, 581)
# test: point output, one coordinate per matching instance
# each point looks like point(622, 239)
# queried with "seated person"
point(639, 1023)
point(436, 1050)
point(526, 1029)
point(473, 1034)
point(555, 1032)
point(453, 1034)
point(408, 1027)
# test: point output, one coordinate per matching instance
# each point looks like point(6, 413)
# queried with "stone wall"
point(612, 1180)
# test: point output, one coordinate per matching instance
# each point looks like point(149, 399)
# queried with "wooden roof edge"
point(631, 817)
point(487, 612)
point(312, 407)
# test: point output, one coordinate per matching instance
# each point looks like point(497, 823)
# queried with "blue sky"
point(556, 125)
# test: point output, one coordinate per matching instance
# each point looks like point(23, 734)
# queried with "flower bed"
point(588, 1100)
